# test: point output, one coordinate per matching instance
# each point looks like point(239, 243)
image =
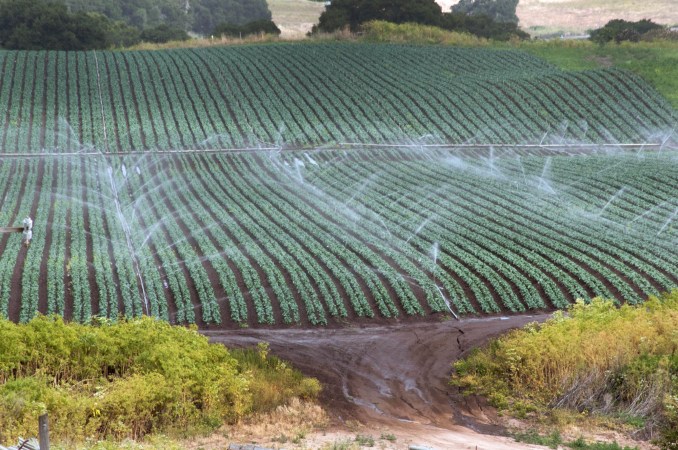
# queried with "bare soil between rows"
point(395, 375)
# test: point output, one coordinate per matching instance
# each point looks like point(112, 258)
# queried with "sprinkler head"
point(28, 230)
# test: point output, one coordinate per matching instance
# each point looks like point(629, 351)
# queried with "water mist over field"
point(273, 234)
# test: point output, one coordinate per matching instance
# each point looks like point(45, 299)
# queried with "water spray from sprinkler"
point(435, 248)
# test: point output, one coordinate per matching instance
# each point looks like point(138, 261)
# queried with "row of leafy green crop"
point(656, 62)
point(476, 219)
point(303, 95)
point(310, 237)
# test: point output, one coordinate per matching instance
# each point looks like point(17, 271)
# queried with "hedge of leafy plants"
point(131, 378)
point(596, 359)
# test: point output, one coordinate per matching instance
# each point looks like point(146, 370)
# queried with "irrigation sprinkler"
point(26, 230)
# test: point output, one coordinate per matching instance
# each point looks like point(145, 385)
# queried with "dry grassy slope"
point(581, 15)
point(295, 17)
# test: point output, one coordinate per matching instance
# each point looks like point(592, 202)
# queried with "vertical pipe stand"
point(43, 432)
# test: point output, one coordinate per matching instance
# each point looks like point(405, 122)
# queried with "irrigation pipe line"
point(149, 152)
point(333, 147)
point(101, 99)
point(572, 146)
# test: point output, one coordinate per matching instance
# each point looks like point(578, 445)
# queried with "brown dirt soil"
point(393, 377)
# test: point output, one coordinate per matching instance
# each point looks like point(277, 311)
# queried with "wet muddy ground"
point(388, 374)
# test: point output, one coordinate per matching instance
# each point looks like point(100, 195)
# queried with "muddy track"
point(388, 374)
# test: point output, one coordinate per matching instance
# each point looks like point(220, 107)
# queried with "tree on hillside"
point(257, 27)
point(622, 30)
point(37, 24)
point(482, 26)
point(353, 13)
point(139, 13)
point(200, 16)
point(208, 14)
point(342, 13)
point(497, 10)
point(163, 33)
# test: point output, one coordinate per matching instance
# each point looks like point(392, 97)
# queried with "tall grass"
point(207, 42)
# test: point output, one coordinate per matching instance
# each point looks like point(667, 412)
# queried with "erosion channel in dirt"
point(392, 375)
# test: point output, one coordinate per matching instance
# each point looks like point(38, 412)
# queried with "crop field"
point(320, 184)
point(332, 235)
point(305, 95)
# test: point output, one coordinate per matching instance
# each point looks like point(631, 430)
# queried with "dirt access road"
point(393, 376)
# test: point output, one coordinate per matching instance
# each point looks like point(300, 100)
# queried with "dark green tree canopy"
point(497, 10)
point(99, 24)
point(200, 16)
point(482, 26)
point(256, 27)
point(352, 13)
point(163, 33)
point(621, 30)
point(37, 24)
point(207, 14)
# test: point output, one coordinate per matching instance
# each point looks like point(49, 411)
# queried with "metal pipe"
point(337, 146)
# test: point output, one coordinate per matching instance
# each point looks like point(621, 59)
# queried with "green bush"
point(621, 30)
point(273, 380)
point(129, 379)
point(597, 358)
point(482, 26)
point(497, 10)
point(257, 27)
point(341, 14)
point(163, 33)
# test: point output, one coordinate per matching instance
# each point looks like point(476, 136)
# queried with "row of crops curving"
point(298, 95)
point(316, 237)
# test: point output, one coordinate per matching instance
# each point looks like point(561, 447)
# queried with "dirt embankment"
point(393, 375)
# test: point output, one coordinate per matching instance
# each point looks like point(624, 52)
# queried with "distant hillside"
point(295, 17)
